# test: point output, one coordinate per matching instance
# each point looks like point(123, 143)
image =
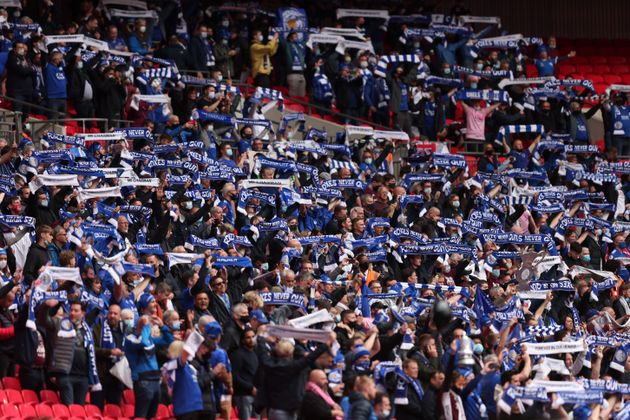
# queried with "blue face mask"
point(128, 323)
point(362, 366)
point(478, 348)
point(176, 325)
point(586, 258)
point(496, 273)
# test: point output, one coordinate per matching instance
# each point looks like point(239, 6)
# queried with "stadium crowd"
point(211, 259)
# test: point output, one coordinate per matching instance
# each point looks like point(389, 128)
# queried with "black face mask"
point(489, 152)
point(354, 325)
point(244, 319)
point(364, 266)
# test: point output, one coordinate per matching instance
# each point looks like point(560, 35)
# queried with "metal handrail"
point(30, 104)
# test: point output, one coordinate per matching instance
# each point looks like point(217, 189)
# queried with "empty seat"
point(601, 68)
point(566, 69)
point(10, 410)
point(612, 78)
point(162, 412)
point(626, 78)
point(129, 397)
point(48, 396)
point(11, 383)
point(584, 68)
point(77, 410)
point(43, 410)
point(60, 410)
point(27, 410)
point(14, 396)
point(598, 59)
point(3, 397)
point(29, 396)
point(616, 59)
point(129, 410)
point(601, 87)
point(619, 68)
point(595, 78)
point(92, 411)
point(578, 59)
point(112, 410)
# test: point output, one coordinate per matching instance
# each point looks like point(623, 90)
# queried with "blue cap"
point(144, 301)
point(259, 316)
point(213, 329)
point(3, 251)
point(359, 352)
point(25, 142)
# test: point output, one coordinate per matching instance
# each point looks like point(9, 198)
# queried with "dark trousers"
point(32, 378)
point(85, 109)
point(56, 106)
point(147, 396)
point(195, 415)
point(18, 107)
point(262, 80)
point(111, 394)
point(73, 388)
point(622, 144)
point(7, 365)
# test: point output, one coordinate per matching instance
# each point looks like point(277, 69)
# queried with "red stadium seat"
point(578, 59)
point(626, 78)
point(616, 60)
point(129, 410)
point(43, 410)
point(27, 410)
point(584, 68)
point(92, 410)
point(77, 410)
point(60, 410)
point(10, 410)
point(29, 396)
point(14, 396)
point(129, 397)
point(170, 410)
point(162, 412)
point(612, 78)
point(531, 70)
point(595, 78)
point(11, 383)
point(601, 68)
point(566, 69)
point(619, 68)
point(598, 59)
point(608, 50)
point(48, 396)
point(112, 410)
point(601, 87)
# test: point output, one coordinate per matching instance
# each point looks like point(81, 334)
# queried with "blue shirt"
point(521, 158)
point(140, 353)
point(55, 81)
point(404, 96)
point(620, 120)
point(186, 391)
point(581, 133)
point(546, 67)
point(116, 44)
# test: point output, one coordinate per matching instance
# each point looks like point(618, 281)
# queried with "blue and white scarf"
point(381, 66)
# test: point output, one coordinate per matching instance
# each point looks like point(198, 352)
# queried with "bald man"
point(313, 405)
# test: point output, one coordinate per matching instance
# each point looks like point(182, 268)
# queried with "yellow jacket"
point(261, 56)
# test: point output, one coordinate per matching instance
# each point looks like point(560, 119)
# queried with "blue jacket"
point(322, 88)
point(140, 353)
point(186, 392)
point(56, 82)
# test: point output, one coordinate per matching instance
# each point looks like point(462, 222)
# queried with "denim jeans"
point(72, 389)
point(147, 396)
point(56, 105)
point(245, 406)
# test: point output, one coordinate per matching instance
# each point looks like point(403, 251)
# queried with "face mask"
point(142, 29)
point(337, 318)
point(355, 325)
point(244, 319)
point(363, 64)
point(586, 258)
point(80, 65)
point(229, 152)
point(188, 205)
point(427, 190)
point(204, 35)
point(3, 264)
point(219, 78)
point(480, 66)
point(473, 85)
point(456, 204)
point(44, 203)
point(489, 152)
point(478, 348)
point(496, 273)
point(416, 45)
point(597, 232)
point(128, 323)
point(212, 95)
point(372, 60)
point(386, 414)
point(259, 38)
point(447, 70)
point(176, 325)
point(224, 41)
point(622, 245)
point(264, 266)
point(368, 161)
point(362, 366)
point(347, 59)
point(225, 23)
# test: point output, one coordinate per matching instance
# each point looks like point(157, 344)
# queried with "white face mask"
point(229, 152)
point(259, 38)
point(142, 29)
point(219, 78)
point(3, 264)
point(363, 64)
point(204, 35)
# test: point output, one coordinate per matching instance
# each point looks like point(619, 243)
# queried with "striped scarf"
point(381, 66)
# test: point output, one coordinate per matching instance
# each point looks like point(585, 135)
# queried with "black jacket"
point(21, 75)
point(244, 367)
point(360, 407)
point(315, 408)
point(231, 337)
point(205, 378)
point(36, 258)
point(197, 54)
point(284, 379)
point(429, 403)
point(109, 96)
point(177, 53)
point(348, 93)
point(413, 409)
